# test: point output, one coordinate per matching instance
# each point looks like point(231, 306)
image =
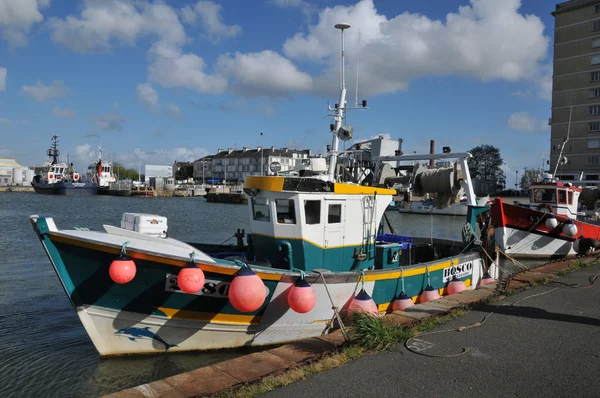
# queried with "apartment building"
point(234, 165)
point(576, 90)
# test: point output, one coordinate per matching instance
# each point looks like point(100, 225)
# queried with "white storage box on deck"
point(148, 224)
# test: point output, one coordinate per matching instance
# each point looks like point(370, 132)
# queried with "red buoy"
point(302, 297)
point(455, 286)
point(486, 280)
point(429, 294)
point(191, 278)
point(122, 270)
point(362, 302)
point(402, 302)
point(247, 292)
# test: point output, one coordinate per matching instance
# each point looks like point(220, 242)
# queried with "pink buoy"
point(487, 279)
point(122, 270)
point(402, 302)
point(362, 302)
point(455, 286)
point(429, 294)
point(302, 297)
point(191, 278)
point(247, 292)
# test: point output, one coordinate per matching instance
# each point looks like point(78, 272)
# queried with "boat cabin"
point(558, 197)
point(308, 223)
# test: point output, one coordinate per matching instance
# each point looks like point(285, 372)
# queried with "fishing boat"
point(315, 252)
point(59, 178)
point(547, 227)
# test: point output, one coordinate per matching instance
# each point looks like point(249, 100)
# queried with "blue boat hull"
point(66, 188)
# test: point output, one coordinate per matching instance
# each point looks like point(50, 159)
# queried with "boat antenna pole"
point(357, 67)
point(560, 155)
point(339, 110)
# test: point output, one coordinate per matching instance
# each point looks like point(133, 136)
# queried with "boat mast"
point(339, 110)
point(560, 155)
point(54, 149)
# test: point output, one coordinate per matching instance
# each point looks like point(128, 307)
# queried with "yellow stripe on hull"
point(173, 313)
point(387, 307)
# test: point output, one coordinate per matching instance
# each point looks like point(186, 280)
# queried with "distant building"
point(576, 86)
point(203, 169)
point(162, 171)
point(6, 171)
point(235, 165)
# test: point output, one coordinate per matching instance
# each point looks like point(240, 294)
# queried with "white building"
point(235, 165)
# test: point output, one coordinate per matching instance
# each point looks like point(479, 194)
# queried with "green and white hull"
point(150, 314)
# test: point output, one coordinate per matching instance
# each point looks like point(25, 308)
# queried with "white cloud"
point(41, 92)
point(471, 42)
point(112, 121)
point(172, 111)
point(84, 154)
point(17, 17)
point(103, 24)
point(263, 73)
point(171, 68)
point(523, 121)
point(209, 13)
point(302, 5)
point(147, 96)
point(3, 73)
point(64, 112)
point(6, 122)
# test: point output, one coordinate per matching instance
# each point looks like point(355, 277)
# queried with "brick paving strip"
point(240, 371)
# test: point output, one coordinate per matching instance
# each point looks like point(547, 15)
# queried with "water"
point(44, 350)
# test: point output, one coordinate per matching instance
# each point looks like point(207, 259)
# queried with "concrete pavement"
point(545, 345)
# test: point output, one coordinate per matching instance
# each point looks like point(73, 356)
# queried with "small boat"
point(314, 253)
point(59, 178)
point(547, 227)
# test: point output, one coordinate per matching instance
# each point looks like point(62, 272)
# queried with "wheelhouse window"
point(544, 195)
point(286, 211)
point(334, 214)
point(570, 195)
point(312, 211)
point(562, 196)
point(260, 209)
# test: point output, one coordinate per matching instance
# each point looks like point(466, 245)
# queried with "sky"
point(176, 80)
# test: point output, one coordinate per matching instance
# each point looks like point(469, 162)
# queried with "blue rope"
point(428, 276)
point(302, 273)
point(241, 263)
point(193, 257)
point(123, 248)
point(402, 276)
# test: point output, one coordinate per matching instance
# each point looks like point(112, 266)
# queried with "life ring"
point(50, 175)
point(546, 208)
point(76, 177)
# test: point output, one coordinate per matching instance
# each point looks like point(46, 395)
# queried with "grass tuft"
point(375, 333)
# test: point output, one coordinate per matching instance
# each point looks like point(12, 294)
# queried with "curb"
point(234, 373)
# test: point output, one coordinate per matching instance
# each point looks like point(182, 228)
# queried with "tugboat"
point(101, 173)
point(60, 178)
